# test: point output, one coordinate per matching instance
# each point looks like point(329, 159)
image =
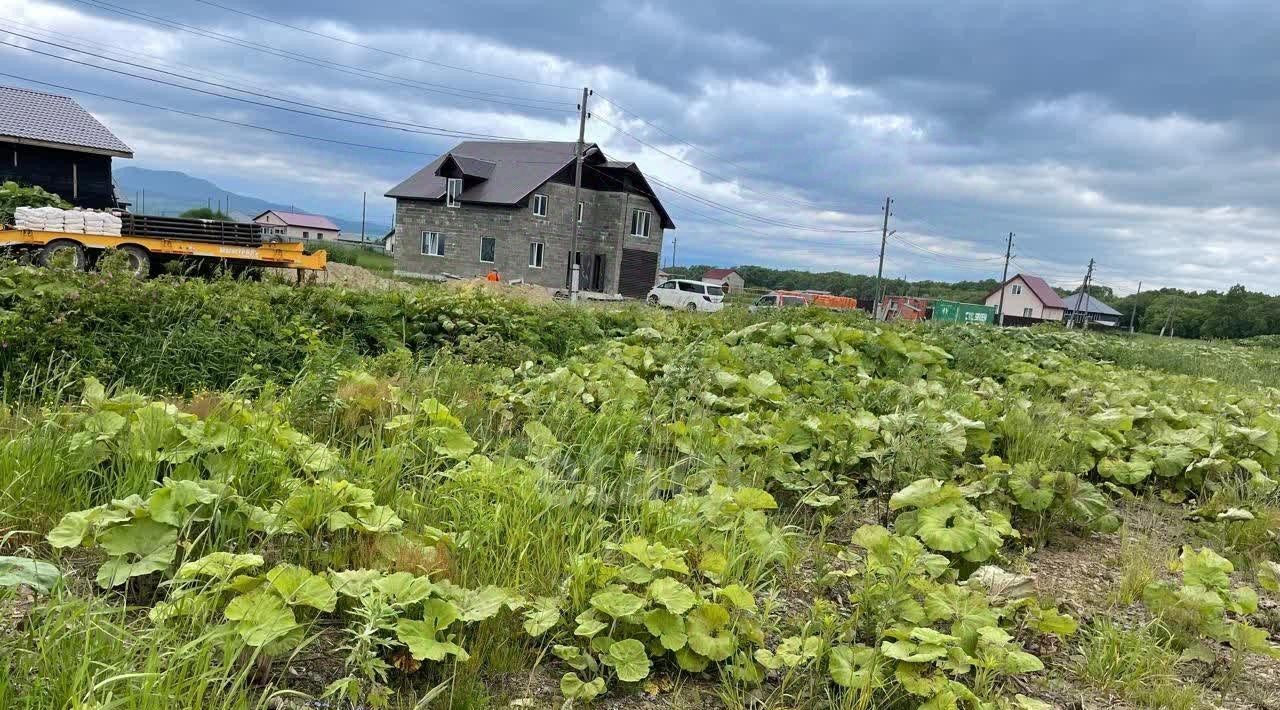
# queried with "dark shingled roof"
point(1091, 305)
point(37, 118)
point(509, 171)
point(1041, 288)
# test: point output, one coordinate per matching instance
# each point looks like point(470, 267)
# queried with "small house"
point(1084, 308)
point(294, 226)
point(50, 141)
point(1029, 298)
point(728, 279)
point(389, 241)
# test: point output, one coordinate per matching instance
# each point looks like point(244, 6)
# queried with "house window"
point(640, 223)
point(540, 205)
point(582, 209)
point(1026, 312)
point(488, 248)
point(535, 254)
point(432, 244)
point(453, 193)
point(306, 235)
point(1016, 289)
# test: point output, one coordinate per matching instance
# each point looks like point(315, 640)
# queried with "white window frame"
point(540, 200)
point(1016, 289)
point(494, 260)
point(539, 248)
point(436, 243)
point(452, 196)
point(636, 222)
point(1028, 312)
point(582, 210)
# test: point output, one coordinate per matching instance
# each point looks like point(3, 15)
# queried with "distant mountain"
point(171, 192)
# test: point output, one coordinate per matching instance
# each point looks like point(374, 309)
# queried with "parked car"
point(793, 299)
point(687, 295)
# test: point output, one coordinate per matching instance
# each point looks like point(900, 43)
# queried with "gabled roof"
point(37, 118)
point(1041, 288)
point(718, 273)
point(1091, 304)
point(297, 219)
point(507, 172)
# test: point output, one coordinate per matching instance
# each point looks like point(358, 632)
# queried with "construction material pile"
point(77, 221)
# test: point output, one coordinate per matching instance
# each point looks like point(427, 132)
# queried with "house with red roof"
point(293, 226)
point(726, 278)
point(1030, 297)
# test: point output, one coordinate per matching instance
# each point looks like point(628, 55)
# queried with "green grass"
point(1135, 665)
point(377, 261)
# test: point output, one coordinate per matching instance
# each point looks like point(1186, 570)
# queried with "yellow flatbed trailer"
point(143, 251)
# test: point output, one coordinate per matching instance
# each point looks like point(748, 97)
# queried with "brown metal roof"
point(1041, 288)
point(509, 170)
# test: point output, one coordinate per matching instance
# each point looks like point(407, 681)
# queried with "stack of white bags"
point(52, 219)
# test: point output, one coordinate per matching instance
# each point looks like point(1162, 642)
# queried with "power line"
point(771, 196)
point(490, 97)
point(753, 217)
point(944, 255)
point(227, 121)
point(667, 133)
point(385, 51)
point(425, 130)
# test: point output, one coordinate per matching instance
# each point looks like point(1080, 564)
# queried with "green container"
point(955, 312)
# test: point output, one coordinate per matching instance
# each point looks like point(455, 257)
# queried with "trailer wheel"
point(139, 260)
point(64, 253)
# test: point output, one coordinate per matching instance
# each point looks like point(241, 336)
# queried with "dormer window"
point(1016, 289)
point(540, 205)
point(453, 193)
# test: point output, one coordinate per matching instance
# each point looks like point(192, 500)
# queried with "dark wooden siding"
point(639, 271)
point(53, 169)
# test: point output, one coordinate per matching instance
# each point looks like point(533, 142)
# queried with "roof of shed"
point(1091, 304)
point(38, 118)
point(717, 273)
point(298, 219)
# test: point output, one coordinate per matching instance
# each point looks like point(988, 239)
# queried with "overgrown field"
point(231, 495)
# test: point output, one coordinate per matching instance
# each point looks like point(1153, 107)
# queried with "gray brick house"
point(506, 206)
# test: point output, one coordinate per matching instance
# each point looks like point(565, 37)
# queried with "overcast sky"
point(1141, 134)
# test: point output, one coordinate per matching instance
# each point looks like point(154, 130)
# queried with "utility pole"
point(884, 239)
point(364, 208)
point(1134, 316)
point(574, 266)
point(674, 241)
point(1004, 277)
point(1082, 301)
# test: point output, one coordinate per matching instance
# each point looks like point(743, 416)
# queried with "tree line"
point(1235, 313)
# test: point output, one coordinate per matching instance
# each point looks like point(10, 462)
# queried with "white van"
point(687, 295)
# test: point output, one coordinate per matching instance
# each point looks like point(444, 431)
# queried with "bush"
point(13, 196)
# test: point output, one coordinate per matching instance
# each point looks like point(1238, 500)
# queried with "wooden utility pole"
point(1082, 301)
point(364, 210)
point(1004, 277)
point(574, 267)
point(1134, 316)
point(884, 239)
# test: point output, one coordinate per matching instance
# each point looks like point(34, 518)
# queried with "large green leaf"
point(260, 617)
point(424, 642)
point(1205, 568)
point(219, 565)
point(675, 596)
point(617, 604)
point(629, 660)
point(141, 537)
point(572, 687)
point(299, 587)
point(37, 574)
point(71, 530)
point(709, 635)
point(667, 627)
